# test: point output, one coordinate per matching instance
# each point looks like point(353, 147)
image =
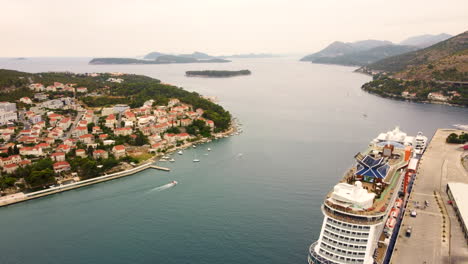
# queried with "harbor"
point(436, 235)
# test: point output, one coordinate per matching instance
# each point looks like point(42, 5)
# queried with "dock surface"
point(436, 234)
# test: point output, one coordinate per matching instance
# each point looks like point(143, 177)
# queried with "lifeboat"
point(398, 203)
point(394, 212)
point(391, 222)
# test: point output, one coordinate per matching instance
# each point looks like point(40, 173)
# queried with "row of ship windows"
point(352, 233)
point(348, 246)
point(348, 225)
point(351, 240)
point(343, 252)
point(352, 260)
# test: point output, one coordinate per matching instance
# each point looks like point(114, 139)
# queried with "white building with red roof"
point(26, 100)
point(61, 166)
point(87, 138)
point(80, 153)
point(10, 168)
point(119, 151)
point(58, 156)
point(123, 131)
point(100, 154)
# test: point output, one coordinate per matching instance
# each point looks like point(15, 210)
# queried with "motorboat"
point(209, 149)
point(172, 160)
point(180, 152)
point(196, 160)
point(194, 146)
point(174, 182)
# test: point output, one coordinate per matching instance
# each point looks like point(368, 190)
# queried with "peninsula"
point(216, 74)
point(436, 74)
point(62, 129)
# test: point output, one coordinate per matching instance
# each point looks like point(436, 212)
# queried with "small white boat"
point(196, 160)
point(163, 159)
point(180, 152)
point(209, 149)
point(174, 182)
point(194, 146)
point(172, 160)
point(166, 157)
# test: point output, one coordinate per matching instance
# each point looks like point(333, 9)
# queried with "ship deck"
point(380, 204)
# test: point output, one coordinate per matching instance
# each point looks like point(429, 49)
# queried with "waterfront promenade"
point(22, 197)
point(436, 234)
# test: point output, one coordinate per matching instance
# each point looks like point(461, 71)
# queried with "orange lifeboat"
point(391, 222)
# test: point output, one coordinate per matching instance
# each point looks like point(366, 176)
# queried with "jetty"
point(22, 197)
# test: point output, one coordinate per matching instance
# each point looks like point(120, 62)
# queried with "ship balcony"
point(344, 245)
point(345, 233)
point(344, 239)
point(315, 258)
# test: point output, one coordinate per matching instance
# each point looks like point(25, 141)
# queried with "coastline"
point(150, 163)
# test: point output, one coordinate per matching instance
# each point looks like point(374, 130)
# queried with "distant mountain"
point(426, 40)
point(357, 53)
point(196, 55)
point(162, 59)
point(448, 55)
point(365, 57)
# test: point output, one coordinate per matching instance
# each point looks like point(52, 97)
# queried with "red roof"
point(55, 154)
point(119, 147)
point(99, 151)
point(80, 150)
point(10, 165)
point(61, 164)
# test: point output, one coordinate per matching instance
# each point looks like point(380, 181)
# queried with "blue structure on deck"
point(371, 168)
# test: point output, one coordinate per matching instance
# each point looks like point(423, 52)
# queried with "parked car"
point(409, 230)
point(413, 213)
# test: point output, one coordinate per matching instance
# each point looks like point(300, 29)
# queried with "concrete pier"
point(436, 234)
point(22, 197)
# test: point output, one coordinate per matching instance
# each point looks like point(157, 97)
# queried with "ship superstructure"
point(357, 209)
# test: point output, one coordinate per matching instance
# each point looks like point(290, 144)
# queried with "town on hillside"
point(45, 142)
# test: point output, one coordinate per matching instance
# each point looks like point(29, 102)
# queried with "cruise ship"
point(362, 210)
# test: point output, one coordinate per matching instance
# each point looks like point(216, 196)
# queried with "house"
point(63, 148)
point(41, 96)
point(65, 123)
point(37, 87)
point(97, 130)
point(26, 100)
point(80, 153)
point(24, 163)
point(48, 140)
point(210, 123)
point(171, 138)
point(100, 154)
point(13, 159)
point(108, 142)
point(146, 130)
point(123, 131)
point(186, 122)
point(10, 168)
point(35, 119)
point(129, 115)
point(58, 156)
point(81, 90)
point(437, 97)
point(156, 147)
point(119, 151)
point(31, 151)
point(7, 116)
point(43, 146)
point(87, 138)
point(79, 131)
point(172, 102)
point(70, 142)
point(183, 136)
point(61, 166)
point(110, 121)
point(103, 136)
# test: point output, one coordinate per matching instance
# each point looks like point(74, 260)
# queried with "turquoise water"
point(302, 125)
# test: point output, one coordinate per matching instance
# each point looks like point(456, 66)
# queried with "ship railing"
point(335, 237)
point(350, 219)
point(359, 228)
point(337, 244)
point(346, 233)
point(334, 259)
point(316, 258)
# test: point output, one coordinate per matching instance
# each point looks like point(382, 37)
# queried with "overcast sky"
point(136, 27)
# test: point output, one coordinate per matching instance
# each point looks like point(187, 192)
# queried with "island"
point(61, 130)
point(216, 74)
point(161, 58)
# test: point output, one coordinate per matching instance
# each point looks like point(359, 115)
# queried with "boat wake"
point(163, 187)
